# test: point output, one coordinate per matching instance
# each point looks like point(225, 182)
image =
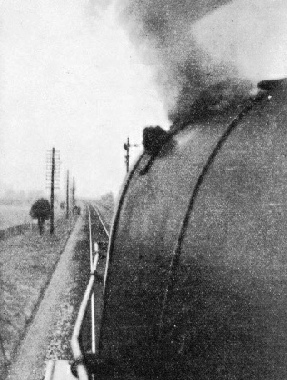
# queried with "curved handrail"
point(78, 355)
point(88, 295)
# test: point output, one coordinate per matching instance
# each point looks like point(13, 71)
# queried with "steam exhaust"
point(208, 55)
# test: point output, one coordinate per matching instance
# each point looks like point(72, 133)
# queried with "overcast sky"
point(70, 78)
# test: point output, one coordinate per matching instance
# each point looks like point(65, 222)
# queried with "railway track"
point(102, 220)
point(85, 340)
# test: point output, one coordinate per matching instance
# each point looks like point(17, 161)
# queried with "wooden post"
point(73, 196)
point(52, 215)
point(127, 156)
point(67, 197)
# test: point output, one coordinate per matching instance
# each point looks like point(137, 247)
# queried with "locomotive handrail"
point(78, 355)
point(88, 296)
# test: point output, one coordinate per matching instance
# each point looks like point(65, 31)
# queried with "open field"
point(11, 215)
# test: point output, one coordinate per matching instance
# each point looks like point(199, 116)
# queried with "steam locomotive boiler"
point(196, 285)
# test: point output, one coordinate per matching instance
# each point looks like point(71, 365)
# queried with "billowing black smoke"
point(191, 85)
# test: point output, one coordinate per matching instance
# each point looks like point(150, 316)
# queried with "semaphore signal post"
point(127, 147)
point(52, 180)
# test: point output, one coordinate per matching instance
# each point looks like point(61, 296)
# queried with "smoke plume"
point(190, 44)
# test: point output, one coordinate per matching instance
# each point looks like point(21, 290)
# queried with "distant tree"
point(77, 210)
point(41, 211)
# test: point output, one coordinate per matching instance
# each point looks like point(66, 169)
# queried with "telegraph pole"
point(73, 195)
point(53, 176)
point(67, 196)
point(52, 217)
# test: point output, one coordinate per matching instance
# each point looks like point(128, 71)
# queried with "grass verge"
point(27, 263)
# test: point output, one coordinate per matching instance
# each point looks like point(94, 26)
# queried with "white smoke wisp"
point(207, 54)
point(250, 35)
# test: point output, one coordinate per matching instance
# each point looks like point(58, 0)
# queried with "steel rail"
point(90, 240)
point(88, 295)
point(92, 297)
point(101, 220)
